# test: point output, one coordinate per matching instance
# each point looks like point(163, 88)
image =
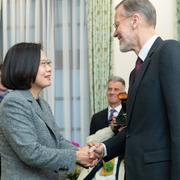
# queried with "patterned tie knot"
point(112, 111)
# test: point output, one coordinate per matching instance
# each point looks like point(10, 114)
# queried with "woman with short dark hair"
point(31, 145)
point(21, 66)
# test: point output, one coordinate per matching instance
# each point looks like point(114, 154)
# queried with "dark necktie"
point(111, 114)
point(138, 66)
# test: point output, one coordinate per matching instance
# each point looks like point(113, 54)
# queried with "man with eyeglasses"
point(152, 137)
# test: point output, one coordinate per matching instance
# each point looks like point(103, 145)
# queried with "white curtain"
point(60, 26)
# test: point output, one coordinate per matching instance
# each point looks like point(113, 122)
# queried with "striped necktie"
point(112, 111)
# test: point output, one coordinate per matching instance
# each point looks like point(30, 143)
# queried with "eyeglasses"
point(117, 25)
point(45, 62)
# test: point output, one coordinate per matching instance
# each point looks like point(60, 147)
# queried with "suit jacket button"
point(127, 135)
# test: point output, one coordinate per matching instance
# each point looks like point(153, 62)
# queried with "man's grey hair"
point(144, 7)
point(117, 79)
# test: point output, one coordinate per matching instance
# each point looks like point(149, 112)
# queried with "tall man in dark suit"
point(103, 118)
point(152, 138)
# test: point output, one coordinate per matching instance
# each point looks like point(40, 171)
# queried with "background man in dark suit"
point(152, 137)
point(103, 118)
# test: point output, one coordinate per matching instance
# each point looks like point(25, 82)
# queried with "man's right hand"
point(97, 149)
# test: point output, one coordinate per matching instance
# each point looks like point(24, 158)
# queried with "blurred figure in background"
point(3, 90)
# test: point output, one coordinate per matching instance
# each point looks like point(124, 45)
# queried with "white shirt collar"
point(117, 108)
point(147, 46)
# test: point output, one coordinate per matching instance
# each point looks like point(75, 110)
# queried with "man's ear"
point(135, 21)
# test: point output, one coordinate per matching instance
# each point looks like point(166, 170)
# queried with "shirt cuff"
point(105, 150)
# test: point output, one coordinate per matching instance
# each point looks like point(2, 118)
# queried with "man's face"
point(114, 88)
point(123, 30)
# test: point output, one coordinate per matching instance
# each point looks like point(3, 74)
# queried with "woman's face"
point(43, 78)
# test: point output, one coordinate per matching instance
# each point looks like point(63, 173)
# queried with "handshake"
point(90, 155)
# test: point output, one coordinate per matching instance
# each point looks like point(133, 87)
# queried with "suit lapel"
point(121, 112)
point(105, 118)
point(135, 85)
point(44, 114)
point(41, 110)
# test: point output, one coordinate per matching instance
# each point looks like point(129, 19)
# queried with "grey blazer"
point(31, 145)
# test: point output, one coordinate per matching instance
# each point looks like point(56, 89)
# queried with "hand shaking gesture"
point(86, 158)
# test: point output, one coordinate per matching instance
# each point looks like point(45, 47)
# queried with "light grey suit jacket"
point(31, 145)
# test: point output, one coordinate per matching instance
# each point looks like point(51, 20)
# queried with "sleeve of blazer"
point(170, 85)
point(115, 146)
point(19, 130)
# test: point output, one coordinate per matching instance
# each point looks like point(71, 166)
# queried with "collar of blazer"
point(134, 86)
point(42, 110)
